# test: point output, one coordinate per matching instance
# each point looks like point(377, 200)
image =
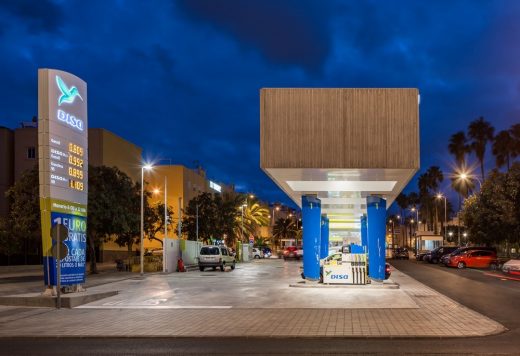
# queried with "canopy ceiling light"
point(345, 186)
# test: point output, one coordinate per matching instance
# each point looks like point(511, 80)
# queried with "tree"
point(435, 177)
point(24, 214)
point(154, 220)
point(254, 216)
point(515, 135)
point(480, 132)
point(200, 218)
point(493, 215)
point(283, 229)
point(10, 244)
point(459, 147)
point(132, 236)
point(503, 148)
point(111, 193)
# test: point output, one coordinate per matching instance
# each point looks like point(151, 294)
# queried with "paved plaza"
point(254, 300)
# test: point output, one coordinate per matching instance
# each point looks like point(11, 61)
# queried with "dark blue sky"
point(181, 78)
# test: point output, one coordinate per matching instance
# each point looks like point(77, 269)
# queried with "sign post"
point(60, 251)
point(63, 168)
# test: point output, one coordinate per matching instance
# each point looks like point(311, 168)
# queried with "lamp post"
point(440, 196)
point(157, 191)
point(147, 167)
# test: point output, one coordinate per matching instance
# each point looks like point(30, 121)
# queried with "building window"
point(31, 152)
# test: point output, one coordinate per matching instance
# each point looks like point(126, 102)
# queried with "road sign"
point(63, 252)
point(59, 232)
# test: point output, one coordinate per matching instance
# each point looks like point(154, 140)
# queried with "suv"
point(435, 255)
point(215, 256)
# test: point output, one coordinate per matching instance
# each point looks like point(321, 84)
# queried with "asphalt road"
point(491, 296)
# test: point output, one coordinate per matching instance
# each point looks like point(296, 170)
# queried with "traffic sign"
point(59, 232)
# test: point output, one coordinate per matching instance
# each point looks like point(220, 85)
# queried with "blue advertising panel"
point(73, 265)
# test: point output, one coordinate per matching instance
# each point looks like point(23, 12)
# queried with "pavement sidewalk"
point(435, 316)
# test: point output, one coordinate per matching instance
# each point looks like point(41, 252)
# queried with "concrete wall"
point(24, 138)
point(172, 250)
point(108, 149)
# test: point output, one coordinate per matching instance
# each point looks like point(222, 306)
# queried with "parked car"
point(512, 266)
point(435, 255)
point(292, 252)
point(475, 259)
point(257, 253)
point(420, 255)
point(215, 256)
point(401, 253)
point(446, 258)
point(388, 272)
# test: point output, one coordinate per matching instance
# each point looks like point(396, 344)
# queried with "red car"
point(475, 259)
point(292, 252)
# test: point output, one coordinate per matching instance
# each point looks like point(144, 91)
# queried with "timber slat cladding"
point(339, 128)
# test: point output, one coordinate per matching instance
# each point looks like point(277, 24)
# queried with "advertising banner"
point(63, 166)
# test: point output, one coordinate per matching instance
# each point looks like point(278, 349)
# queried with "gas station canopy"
point(341, 145)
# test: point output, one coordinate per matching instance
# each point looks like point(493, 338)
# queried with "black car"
point(401, 253)
point(446, 258)
point(435, 255)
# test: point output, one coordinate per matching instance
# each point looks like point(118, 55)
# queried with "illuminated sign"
point(69, 119)
point(63, 165)
point(215, 186)
point(67, 94)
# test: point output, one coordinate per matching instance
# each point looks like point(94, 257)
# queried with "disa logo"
point(68, 95)
point(339, 276)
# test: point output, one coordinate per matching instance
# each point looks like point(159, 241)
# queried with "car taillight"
point(388, 268)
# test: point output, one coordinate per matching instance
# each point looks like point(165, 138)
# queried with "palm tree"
point(435, 177)
point(403, 202)
point(459, 147)
point(254, 216)
point(503, 148)
point(283, 229)
point(480, 132)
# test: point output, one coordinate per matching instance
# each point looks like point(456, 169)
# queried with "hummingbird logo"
point(67, 94)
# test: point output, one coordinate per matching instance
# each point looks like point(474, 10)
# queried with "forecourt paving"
point(254, 300)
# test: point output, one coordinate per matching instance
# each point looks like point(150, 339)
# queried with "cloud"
point(290, 32)
point(40, 15)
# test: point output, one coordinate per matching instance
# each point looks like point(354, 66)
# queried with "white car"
point(215, 256)
point(512, 266)
point(257, 253)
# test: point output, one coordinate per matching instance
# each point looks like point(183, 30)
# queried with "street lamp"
point(148, 167)
point(440, 196)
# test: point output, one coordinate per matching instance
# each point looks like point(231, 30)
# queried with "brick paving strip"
point(437, 316)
